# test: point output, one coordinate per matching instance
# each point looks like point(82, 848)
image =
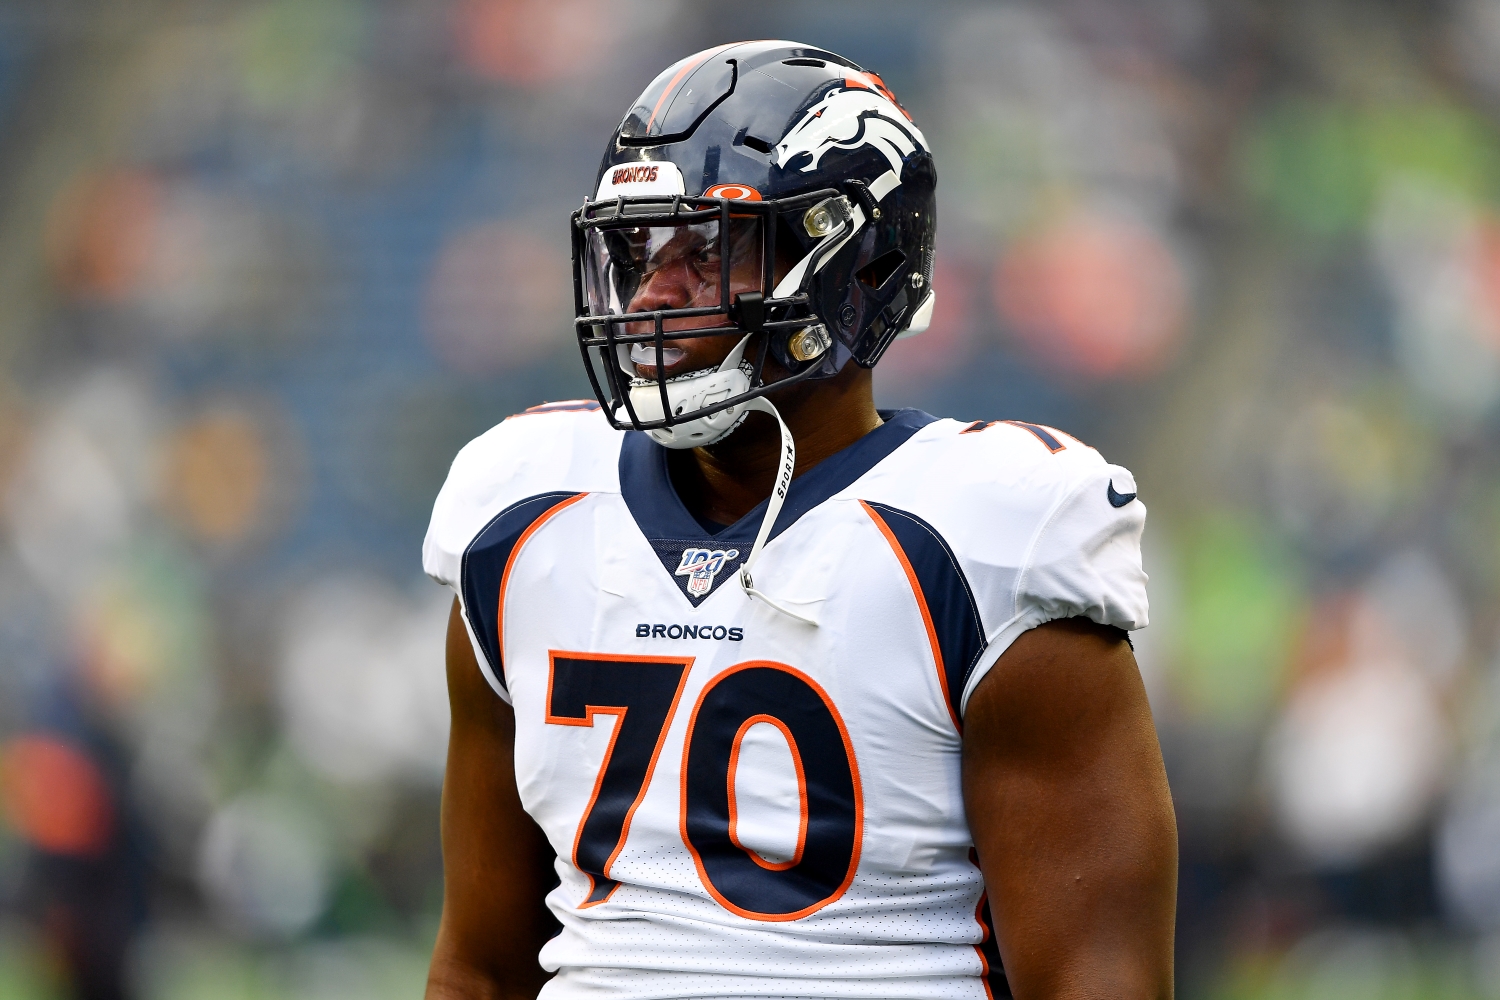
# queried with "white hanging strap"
point(773, 507)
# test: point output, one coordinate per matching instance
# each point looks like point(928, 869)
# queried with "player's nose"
point(664, 288)
point(671, 287)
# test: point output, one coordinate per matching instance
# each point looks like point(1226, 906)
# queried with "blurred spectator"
point(86, 879)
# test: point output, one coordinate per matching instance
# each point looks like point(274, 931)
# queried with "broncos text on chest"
point(720, 632)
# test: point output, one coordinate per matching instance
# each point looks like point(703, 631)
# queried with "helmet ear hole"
point(875, 274)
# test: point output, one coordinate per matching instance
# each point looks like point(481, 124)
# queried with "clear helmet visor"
point(634, 269)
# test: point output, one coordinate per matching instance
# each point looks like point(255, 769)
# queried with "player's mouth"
point(684, 356)
point(644, 356)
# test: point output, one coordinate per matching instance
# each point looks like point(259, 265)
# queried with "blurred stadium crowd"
point(266, 264)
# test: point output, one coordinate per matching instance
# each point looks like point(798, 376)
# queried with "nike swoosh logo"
point(1118, 499)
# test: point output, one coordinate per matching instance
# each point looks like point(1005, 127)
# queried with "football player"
point(758, 691)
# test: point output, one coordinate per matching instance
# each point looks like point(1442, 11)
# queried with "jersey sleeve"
point(457, 515)
point(1083, 561)
point(555, 447)
point(499, 484)
point(459, 510)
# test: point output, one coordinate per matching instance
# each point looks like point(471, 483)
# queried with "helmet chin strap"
point(692, 392)
point(773, 507)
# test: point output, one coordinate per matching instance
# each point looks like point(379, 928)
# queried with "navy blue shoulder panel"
point(945, 591)
point(483, 569)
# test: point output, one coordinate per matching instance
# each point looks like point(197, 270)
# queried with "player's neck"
point(724, 482)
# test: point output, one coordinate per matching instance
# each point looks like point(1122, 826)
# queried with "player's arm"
point(494, 856)
point(1068, 804)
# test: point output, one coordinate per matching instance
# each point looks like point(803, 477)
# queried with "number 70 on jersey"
point(642, 693)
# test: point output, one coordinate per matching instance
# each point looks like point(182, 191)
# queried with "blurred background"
point(266, 265)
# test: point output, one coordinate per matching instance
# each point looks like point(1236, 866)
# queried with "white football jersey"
point(744, 805)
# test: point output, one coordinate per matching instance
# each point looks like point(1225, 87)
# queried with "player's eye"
point(708, 254)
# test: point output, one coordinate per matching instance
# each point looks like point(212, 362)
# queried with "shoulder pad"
point(566, 446)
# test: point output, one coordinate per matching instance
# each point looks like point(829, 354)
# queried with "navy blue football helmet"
point(795, 194)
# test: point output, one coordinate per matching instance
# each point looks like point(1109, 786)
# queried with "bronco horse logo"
point(859, 114)
point(700, 566)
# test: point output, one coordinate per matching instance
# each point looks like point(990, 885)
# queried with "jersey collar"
point(661, 516)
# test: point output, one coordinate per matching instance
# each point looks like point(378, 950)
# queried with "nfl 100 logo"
point(700, 566)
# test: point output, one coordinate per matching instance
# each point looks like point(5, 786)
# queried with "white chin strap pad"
point(687, 394)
